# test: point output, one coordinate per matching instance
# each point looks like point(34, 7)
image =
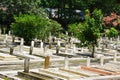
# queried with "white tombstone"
point(66, 33)
point(66, 48)
point(32, 43)
point(9, 33)
point(110, 39)
point(21, 45)
point(101, 60)
point(58, 43)
point(44, 50)
point(118, 38)
point(41, 45)
point(82, 49)
point(50, 37)
point(74, 49)
point(115, 57)
point(106, 38)
point(26, 65)
point(101, 39)
point(5, 38)
point(31, 48)
point(88, 62)
point(66, 62)
point(71, 43)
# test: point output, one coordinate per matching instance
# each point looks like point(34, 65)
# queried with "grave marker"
point(118, 38)
point(5, 38)
point(41, 45)
point(115, 57)
point(47, 62)
point(11, 50)
point(9, 33)
point(88, 61)
point(101, 60)
point(58, 47)
point(26, 65)
point(66, 62)
point(21, 45)
point(31, 47)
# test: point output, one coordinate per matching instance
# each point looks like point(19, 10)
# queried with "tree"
point(17, 7)
point(88, 32)
point(30, 27)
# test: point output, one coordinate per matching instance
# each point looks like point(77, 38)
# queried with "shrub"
point(30, 27)
point(112, 32)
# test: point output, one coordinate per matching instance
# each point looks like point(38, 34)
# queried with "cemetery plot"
point(7, 57)
point(101, 72)
point(110, 67)
point(80, 72)
point(61, 73)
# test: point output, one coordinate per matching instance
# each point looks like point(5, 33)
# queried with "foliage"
point(112, 32)
point(51, 27)
point(88, 32)
point(17, 7)
point(30, 27)
point(112, 20)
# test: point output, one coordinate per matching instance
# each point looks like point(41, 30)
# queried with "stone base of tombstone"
point(57, 49)
point(47, 62)
point(11, 50)
point(26, 65)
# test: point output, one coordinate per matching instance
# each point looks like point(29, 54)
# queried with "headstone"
point(66, 62)
point(71, 43)
point(118, 38)
point(115, 57)
point(74, 49)
point(88, 61)
point(11, 50)
point(13, 38)
point(31, 47)
point(110, 39)
point(50, 37)
point(21, 45)
point(9, 33)
point(58, 43)
point(66, 48)
point(58, 47)
point(101, 39)
point(106, 38)
point(26, 65)
point(41, 45)
point(82, 49)
point(5, 38)
point(66, 33)
point(47, 62)
point(103, 48)
point(101, 60)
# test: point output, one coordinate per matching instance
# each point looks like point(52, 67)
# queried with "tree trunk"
point(93, 51)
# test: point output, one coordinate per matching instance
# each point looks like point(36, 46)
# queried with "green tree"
point(112, 32)
point(30, 27)
point(88, 32)
point(17, 7)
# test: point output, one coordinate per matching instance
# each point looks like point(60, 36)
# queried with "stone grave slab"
point(80, 72)
point(110, 67)
point(4, 56)
point(101, 72)
point(61, 73)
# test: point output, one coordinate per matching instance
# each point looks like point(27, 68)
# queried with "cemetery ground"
point(61, 61)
